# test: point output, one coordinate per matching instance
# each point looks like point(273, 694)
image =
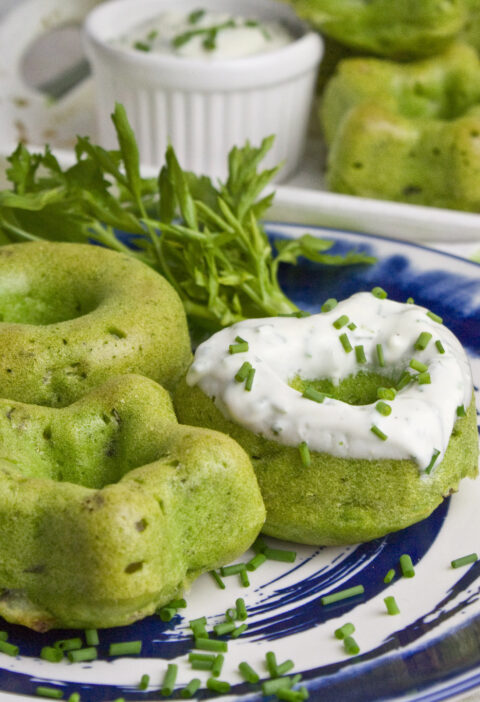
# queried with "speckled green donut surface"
point(337, 500)
point(409, 132)
point(109, 507)
point(73, 315)
point(399, 29)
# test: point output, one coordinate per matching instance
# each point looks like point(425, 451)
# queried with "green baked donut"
point(399, 29)
point(110, 508)
point(73, 315)
point(323, 446)
point(406, 132)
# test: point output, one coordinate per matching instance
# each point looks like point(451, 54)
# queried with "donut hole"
point(41, 301)
point(358, 389)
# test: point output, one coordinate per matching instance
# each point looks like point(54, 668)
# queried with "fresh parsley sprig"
point(207, 241)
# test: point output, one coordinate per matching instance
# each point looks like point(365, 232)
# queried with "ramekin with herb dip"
point(204, 76)
point(207, 35)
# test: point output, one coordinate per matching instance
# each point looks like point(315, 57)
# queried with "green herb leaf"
point(205, 239)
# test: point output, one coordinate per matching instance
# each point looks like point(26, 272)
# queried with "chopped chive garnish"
point(249, 380)
point(391, 605)
point(205, 644)
point(311, 394)
point(91, 637)
point(352, 326)
point(191, 688)
point(461, 411)
point(8, 648)
point(378, 432)
point(218, 665)
point(166, 614)
point(422, 341)
point(80, 655)
point(305, 454)
point(289, 695)
point(208, 657)
point(195, 16)
point(224, 628)
point(389, 576)
point(153, 34)
point(231, 614)
point(52, 692)
point(52, 654)
point(383, 408)
point(169, 680)
point(380, 356)
point(198, 627)
point(341, 321)
point(379, 292)
point(285, 667)
point(259, 545)
point(256, 561)
point(439, 346)
point(342, 594)
point(200, 621)
point(345, 341)
point(142, 46)
point(271, 663)
point(351, 646)
point(464, 560)
point(69, 644)
point(74, 697)
point(280, 554)
point(386, 393)
point(329, 304)
point(241, 609)
point(144, 682)
point(240, 347)
point(218, 685)
point(360, 354)
point(345, 630)
point(125, 648)
point(247, 673)
point(203, 663)
point(272, 687)
point(239, 630)
point(178, 604)
point(217, 579)
point(424, 378)
point(244, 578)
point(435, 317)
point(407, 566)
point(3, 636)
point(405, 379)
point(234, 569)
point(418, 365)
point(434, 457)
point(243, 372)
point(410, 301)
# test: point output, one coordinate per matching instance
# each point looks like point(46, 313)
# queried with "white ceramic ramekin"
point(204, 107)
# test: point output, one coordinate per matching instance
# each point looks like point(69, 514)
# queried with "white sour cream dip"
point(206, 35)
point(282, 348)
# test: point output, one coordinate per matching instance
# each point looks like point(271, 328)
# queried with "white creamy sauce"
point(282, 348)
point(206, 35)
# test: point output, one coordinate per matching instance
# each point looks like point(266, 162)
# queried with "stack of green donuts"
point(108, 507)
point(401, 113)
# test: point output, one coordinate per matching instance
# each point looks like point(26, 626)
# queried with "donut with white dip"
point(358, 420)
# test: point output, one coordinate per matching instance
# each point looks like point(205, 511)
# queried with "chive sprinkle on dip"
point(206, 35)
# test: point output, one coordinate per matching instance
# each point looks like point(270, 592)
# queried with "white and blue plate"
point(430, 651)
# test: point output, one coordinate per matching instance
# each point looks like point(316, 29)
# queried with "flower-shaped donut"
point(109, 508)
